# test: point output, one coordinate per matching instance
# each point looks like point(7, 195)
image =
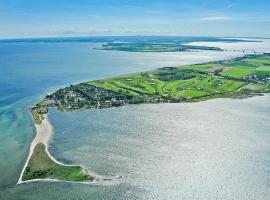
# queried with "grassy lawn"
point(264, 68)
point(189, 82)
point(148, 84)
point(239, 72)
point(257, 87)
point(41, 166)
point(262, 72)
point(204, 67)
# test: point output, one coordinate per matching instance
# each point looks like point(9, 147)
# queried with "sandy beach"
point(44, 132)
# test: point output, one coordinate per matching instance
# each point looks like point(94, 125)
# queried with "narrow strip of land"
point(44, 131)
point(41, 165)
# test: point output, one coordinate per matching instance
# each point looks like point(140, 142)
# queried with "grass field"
point(41, 166)
point(193, 81)
point(239, 72)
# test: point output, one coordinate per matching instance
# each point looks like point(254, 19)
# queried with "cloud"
point(216, 18)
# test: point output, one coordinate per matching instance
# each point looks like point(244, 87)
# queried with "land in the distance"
point(153, 47)
point(248, 75)
point(137, 39)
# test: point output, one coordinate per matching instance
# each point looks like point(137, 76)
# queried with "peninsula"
point(239, 77)
point(41, 165)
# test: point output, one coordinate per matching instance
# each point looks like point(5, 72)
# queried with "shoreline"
point(43, 135)
point(44, 131)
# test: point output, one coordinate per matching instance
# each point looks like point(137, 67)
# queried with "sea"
point(216, 149)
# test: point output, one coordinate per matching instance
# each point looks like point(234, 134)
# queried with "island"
point(236, 78)
point(153, 47)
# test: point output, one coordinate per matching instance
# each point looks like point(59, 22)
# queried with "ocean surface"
point(217, 149)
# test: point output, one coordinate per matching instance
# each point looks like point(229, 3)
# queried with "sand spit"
point(44, 132)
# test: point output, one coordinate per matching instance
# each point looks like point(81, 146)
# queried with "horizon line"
point(122, 36)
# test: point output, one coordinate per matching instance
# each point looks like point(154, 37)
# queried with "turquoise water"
point(141, 143)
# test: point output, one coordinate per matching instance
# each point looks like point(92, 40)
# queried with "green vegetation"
point(37, 117)
point(38, 111)
point(193, 82)
point(152, 47)
point(171, 84)
point(41, 166)
point(244, 76)
point(239, 72)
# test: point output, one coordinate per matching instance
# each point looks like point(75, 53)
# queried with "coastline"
point(43, 135)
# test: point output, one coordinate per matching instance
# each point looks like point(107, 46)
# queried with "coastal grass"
point(41, 166)
point(194, 81)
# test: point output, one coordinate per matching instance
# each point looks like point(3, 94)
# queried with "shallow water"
point(218, 149)
point(262, 45)
point(133, 147)
point(210, 150)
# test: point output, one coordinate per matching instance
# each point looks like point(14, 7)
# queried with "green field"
point(239, 72)
point(169, 83)
point(192, 82)
point(41, 166)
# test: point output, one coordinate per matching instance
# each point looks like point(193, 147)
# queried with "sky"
point(69, 18)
